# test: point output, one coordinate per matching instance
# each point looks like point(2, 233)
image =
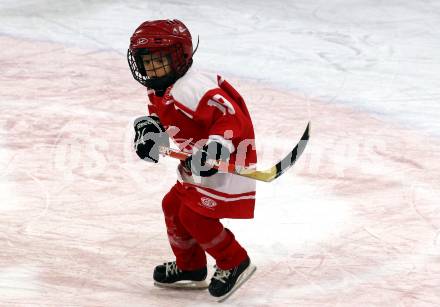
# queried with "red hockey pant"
point(191, 235)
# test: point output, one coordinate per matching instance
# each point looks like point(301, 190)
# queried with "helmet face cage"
point(176, 62)
point(154, 56)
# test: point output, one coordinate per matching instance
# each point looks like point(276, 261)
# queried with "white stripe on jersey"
point(224, 183)
point(189, 89)
point(204, 192)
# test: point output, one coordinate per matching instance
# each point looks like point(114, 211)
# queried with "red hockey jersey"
point(199, 108)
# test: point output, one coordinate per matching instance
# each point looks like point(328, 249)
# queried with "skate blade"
point(184, 284)
point(240, 281)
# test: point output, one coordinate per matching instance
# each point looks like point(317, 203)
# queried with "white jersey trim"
point(201, 191)
point(224, 183)
point(190, 89)
point(222, 104)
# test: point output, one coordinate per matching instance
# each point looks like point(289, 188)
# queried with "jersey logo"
point(222, 104)
point(208, 202)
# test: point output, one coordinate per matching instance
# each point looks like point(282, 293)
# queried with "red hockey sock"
point(189, 254)
point(219, 242)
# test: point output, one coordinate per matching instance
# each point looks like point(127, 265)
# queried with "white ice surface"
point(355, 223)
point(378, 56)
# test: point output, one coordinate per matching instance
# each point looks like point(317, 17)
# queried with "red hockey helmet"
point(170, 38)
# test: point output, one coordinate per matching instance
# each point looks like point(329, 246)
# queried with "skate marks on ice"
point(384, 247)
point(74, 217)
point(83, 217)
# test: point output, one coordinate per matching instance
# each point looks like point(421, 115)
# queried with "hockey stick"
point(267, 175)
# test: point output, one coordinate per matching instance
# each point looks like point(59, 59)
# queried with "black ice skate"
point(225, 282)
point(169, 275)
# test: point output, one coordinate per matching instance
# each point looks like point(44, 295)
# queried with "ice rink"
point(356, 222)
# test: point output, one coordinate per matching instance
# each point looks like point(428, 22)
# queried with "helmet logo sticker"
point(142, 41)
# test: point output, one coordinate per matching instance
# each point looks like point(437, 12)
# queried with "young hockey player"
point(205, 116)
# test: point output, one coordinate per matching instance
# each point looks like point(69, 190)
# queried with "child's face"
point(156, 65)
